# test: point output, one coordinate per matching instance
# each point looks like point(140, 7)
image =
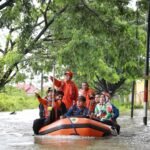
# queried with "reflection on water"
point(16, 134)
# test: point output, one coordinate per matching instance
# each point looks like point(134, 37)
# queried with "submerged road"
point(16, 134)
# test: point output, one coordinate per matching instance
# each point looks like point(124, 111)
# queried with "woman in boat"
point(78, 109)
point(115, 111)
point(97, 97)
point(102, 111)
point(114, 108)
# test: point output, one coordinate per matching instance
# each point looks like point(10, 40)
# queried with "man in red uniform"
point(68, 87)
point(86, 92)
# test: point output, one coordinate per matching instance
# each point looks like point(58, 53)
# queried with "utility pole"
point(137, 44)
point(147, 69)
point(132, 100)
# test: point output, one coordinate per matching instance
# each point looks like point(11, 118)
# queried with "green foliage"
point(99, 39)
point(12, 99)
point(26, 27)
point(90, 37)
point(11, 57)
point(20, 77)
point(124, 107)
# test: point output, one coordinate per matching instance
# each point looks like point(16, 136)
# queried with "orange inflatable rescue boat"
point(77, 126)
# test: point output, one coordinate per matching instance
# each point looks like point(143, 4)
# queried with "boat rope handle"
point(72, 125)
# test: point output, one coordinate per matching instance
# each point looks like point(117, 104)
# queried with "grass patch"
point(12, 99)
point(125, 107)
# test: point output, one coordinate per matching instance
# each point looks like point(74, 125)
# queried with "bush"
point(124, 107)
point(12, 99)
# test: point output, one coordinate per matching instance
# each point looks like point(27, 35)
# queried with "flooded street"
point(16, 134)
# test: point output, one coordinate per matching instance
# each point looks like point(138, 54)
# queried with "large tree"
point(91, 37)
point(26, 24)
point(99, 38)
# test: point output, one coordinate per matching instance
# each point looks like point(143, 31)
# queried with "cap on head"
point(69, 73)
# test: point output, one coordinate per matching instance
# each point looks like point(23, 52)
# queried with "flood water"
point(16, 134)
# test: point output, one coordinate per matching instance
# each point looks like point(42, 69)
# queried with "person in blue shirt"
point(115, 112)
point(78, 109)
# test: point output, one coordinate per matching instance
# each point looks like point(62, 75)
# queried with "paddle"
point(53, 87)
point(50, 108)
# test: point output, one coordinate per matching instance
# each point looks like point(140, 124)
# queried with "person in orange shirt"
point(47, 104)
point(68, 87)
point(86, 92)
point(51, 113)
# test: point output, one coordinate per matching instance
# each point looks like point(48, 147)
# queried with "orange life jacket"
point(70, 91)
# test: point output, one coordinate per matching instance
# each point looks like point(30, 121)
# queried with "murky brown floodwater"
point(16, 134)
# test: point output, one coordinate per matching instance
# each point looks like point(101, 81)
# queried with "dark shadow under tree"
point(102, 85)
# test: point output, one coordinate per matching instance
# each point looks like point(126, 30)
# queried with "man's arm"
point(57, 83)
point(42, 101)
point(69, 113)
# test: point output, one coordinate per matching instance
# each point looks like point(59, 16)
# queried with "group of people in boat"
point(68, 101)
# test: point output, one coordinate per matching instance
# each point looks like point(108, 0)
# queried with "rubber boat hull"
point(77, 126)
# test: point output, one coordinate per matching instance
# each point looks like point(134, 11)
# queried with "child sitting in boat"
point(78, 109)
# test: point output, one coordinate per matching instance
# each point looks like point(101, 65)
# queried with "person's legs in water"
point(117, 126)
point(113, 124)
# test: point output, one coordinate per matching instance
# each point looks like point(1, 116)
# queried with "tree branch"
point(49, 23)
point(5, 78)
point(45, 12)
point(44, 29)
point(47, 6)
point(93, 12)
point(9, 40)
point(38, 24)
point(6, 46)
point(12, 44)
point(7, 3)
point(2, 51)
point(8, 80)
